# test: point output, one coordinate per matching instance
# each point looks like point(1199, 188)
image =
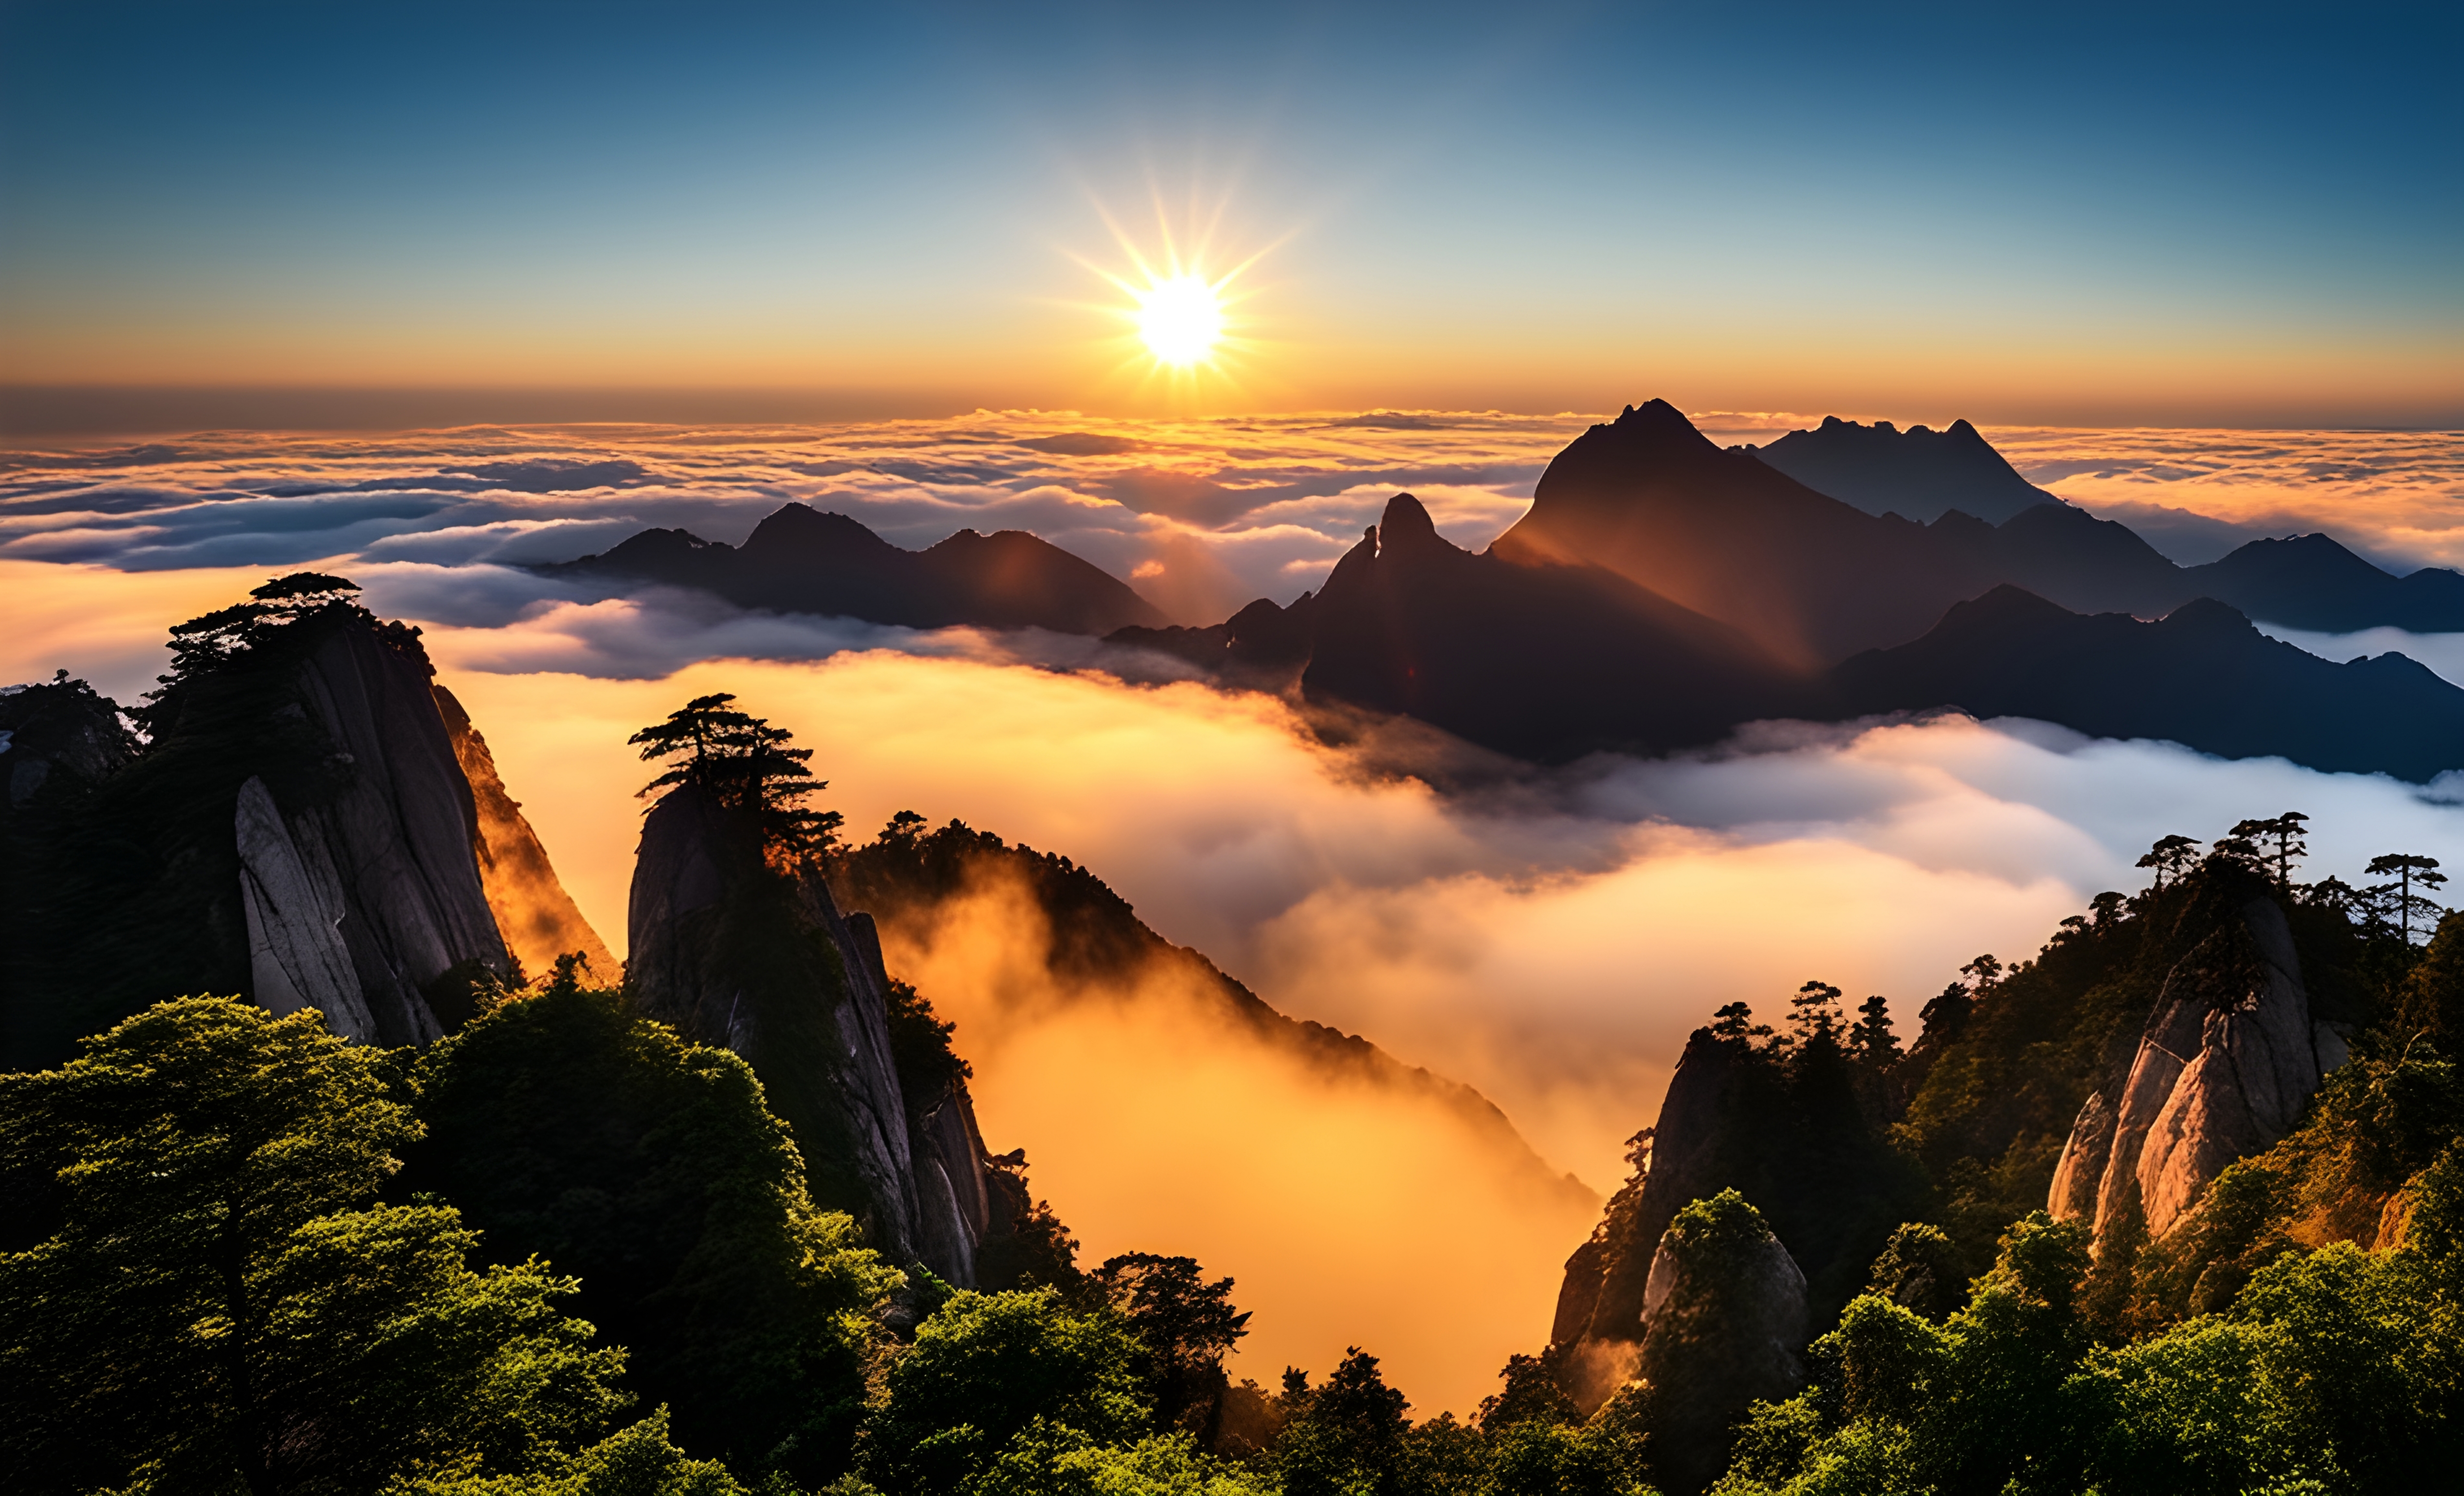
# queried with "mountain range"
point(1662, 589)
point(798, 560)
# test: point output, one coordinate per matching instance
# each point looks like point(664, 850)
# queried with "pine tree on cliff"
point(745, 764)
point(2170, 857)
point(2398, 898)
point(2277, 841)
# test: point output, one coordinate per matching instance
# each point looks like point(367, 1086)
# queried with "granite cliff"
point(294, 825)
point(735, 949)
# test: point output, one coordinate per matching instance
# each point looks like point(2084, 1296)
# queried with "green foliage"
point(212, 1294)
point(1919, 1270)
point(1186, 1325)
point(929, 1067)
point(1531, 1395)
point(565, 1125)
point(2431, 1002)
point(1346, 1437)
point(1051, 1460)
point(745, 765)
point(634, 1461)
point(984, 1370)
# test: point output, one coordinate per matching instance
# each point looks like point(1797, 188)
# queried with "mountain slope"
point(2201, 676)
point(1810, 579)
point(907, 879)
point(1534, 658)
point(798, 560)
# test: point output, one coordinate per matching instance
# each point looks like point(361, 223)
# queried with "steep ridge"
point(2201, 676)
point(802, 562)
point(733, 952)
point(1918, 474)
point(908, 876)
point(1815, 579)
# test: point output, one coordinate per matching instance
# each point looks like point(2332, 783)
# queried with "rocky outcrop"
point(1798, 1131)
point(538, 917)
point(2222, 1068)
point(736, 952)
point(57, 725)
point(1724, 1323)
point(385, 862)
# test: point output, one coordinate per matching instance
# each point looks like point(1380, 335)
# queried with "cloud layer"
point(1201, 516)
point(1549, 939)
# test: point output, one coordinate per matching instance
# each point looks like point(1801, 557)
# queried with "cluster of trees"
point(2337, 1370)
point(563, 1253)
point(2400, 904)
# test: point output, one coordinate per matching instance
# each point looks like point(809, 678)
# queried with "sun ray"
point(1182, 332)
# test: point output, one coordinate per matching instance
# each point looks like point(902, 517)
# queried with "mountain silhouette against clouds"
point(1918, 474)
point(1552, 644)
point(800, 561)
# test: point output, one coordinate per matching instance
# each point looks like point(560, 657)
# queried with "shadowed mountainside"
point(798, 560)
point(1815, 579)
point(1918, 474)
point(1547, 661)
point(2201, 676)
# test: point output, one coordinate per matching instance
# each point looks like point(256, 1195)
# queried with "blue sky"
point(2077, 214)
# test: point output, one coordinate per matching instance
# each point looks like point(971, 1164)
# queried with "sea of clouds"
point(1549, 937)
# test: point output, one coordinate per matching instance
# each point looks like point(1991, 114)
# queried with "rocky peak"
point(2223, 1066)
point(1405, 524)
point(737, 953)
point(58, 725)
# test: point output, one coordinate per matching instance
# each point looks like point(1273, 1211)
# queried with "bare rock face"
point(295, 906)
point(538, 917)
point(391, 858)
point(735, 952)
point(2227, 1059)
point(1723, 1324)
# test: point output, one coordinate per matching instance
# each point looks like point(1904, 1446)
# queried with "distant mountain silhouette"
point(2310, 582)
point(1815, 579)
point(1539, 660)
point(798, 560)
point(2201, 677)
point(1918, 474)
point(1549, 660)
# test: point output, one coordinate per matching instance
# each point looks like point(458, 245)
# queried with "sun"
point(1183, 327)
point(1180, 319)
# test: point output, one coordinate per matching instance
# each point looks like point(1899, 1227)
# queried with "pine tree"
point(2396, 903)
point(1871, 1038)
point(2170, 857)
point(745, 764)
